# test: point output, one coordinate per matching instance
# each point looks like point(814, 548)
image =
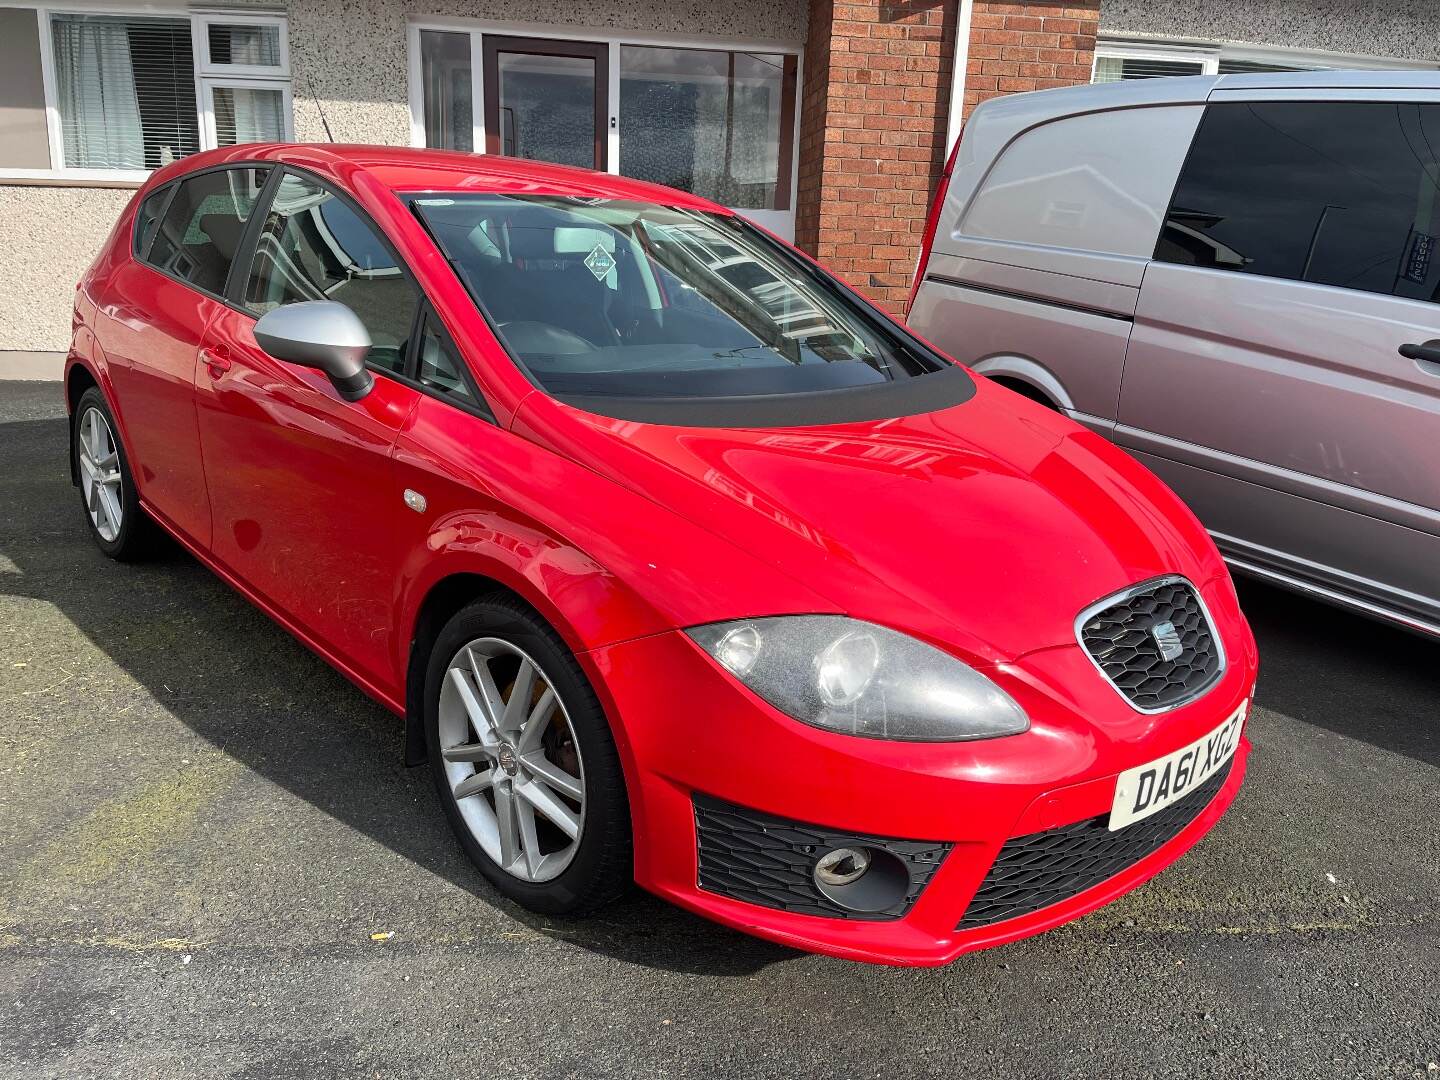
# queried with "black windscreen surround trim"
point(850, 405)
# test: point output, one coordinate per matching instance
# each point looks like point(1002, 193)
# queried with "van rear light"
point(931, 222)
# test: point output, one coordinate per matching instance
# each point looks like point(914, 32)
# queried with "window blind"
point(1124, 68)
point(244, 44)
point(125, 91)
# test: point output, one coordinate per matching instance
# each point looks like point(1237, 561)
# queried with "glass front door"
point(718, 121)
point(545, 100)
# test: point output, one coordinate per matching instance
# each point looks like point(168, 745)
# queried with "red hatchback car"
point(683, 564)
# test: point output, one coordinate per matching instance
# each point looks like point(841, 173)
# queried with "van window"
point(1336, 193)
point(198, 238)
point(1098, 182)
point(314, 246)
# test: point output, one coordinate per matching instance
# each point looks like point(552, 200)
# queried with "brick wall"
point(874, 108)
point(1029, 46)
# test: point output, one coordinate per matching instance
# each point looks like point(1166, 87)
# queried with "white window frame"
point(206, 103)
point(207, 67)
point(779, 221)
point(206, 77)
point(1209, 56)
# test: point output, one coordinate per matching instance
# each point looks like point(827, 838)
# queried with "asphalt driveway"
point(212, 863)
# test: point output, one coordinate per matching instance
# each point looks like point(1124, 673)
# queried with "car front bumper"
point(697, 743)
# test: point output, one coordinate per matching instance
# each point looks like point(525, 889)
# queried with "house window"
point(125, 91)
point(1122, 61)
point(119, 94)
point(710, 122)
point(717, 120)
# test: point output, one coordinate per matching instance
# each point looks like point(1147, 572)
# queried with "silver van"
point(1237, 279)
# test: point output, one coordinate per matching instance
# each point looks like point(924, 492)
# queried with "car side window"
point(148, 216)
point(1335, 193)
point(315, 246)
point(202, 230)
point(441, 368)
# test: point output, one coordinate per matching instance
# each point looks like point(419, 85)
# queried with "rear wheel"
point(107, 491)
point(524, 762)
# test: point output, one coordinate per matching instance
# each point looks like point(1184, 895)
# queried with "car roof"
point(404, 169)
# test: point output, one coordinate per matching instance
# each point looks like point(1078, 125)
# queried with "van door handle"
point(1428, 355)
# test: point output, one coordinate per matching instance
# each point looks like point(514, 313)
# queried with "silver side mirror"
point(320, 334)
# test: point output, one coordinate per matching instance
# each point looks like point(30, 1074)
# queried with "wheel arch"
point(78, 379)
point(1028, 378)
point(462, 583)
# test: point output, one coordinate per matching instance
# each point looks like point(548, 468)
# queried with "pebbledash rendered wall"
point(349, 65)
point(1402, 29)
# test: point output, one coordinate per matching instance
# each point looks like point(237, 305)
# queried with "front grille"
point(1118, 636)
point(765, 860)
point(1044, 868)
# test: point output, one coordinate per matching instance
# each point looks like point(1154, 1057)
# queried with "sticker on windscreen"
point(600, 262)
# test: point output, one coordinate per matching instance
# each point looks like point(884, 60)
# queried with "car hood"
point(989, 525)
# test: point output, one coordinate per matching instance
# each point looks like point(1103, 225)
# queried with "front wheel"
point(524, 762)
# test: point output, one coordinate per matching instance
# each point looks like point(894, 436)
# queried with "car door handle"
point(1428, 354)
point(216, 362)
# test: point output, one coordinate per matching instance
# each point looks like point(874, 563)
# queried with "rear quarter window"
point(1097, 182)
point(148, 216)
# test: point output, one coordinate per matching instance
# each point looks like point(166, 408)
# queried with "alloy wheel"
point(511, 759)
point(100, 474)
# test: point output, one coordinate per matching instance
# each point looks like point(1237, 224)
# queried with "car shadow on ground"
point(236, 679)
point(1352, 675)
point(230, 675)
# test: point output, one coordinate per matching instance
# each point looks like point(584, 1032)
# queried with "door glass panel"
point(204, 226)
point(707, 122)
point(445, 76)
point(547, 107)
point(1337, 193)
point(313, 246)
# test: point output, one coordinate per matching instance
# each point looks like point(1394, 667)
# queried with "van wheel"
point(119, 527)
point(524, 762)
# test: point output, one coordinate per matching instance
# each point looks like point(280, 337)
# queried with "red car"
point(683, 564)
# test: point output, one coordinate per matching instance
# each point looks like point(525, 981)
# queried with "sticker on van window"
point(1417, 261)
point(599, 262)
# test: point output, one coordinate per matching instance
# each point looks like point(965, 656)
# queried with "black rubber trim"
point(851, 405)
point(1034, 298)
point(769, 861)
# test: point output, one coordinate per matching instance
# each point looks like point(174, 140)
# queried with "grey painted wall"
point(1405, 29)
point(24, 139)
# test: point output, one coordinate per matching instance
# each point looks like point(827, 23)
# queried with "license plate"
point(1148, 789)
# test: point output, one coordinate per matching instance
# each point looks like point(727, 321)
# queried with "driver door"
point(302, 487)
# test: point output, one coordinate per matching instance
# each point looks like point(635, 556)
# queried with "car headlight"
point(861, 679)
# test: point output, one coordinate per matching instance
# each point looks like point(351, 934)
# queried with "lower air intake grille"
point(1154, 643)
point(765, 860)
point(1035, 871)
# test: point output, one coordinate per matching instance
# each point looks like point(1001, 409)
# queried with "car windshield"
point(615, 297)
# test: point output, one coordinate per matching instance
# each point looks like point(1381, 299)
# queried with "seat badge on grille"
point(1167, 640)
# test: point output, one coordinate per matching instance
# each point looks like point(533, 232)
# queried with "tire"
point(135, 535)
point(500, 778)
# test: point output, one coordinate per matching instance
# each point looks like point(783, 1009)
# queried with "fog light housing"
point(842, 865)
point(862, 879)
